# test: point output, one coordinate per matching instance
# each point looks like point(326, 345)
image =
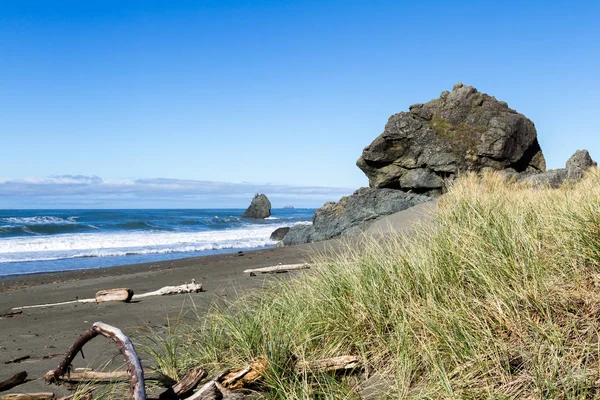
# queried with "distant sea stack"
point(463, 130)
point(260, 207)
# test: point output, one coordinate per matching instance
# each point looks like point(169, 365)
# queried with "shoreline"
point(186, 257)
point(19, 281)
point(42, 335)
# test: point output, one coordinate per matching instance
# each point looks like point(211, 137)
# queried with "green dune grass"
point(497, 296)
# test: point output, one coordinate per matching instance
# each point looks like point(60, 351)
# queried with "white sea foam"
point(39, 248)
point(39, 220)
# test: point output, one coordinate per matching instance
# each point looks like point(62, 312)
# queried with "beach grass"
point(497, 296)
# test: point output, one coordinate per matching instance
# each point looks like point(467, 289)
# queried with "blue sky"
point(279, 93)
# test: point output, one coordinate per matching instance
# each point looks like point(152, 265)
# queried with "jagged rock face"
point(578, 164)
point(260, 207)
point(463, 130)
point(554, 178)
point(352, 214)
point(279, 233)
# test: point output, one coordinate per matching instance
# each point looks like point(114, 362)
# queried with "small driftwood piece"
point(277, 269)
point(245, 377)
point(17, 360)
point(13, 381)
point(184, 387)
point(210, 390)
point(187, 288)
point(29, 396)
point(134, 366)
point(10, 314)
point(335, 364)
point(167, 290)
point(122, 294)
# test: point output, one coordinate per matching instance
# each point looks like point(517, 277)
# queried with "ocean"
point(33, 241)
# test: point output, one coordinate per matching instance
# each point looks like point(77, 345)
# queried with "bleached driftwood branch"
point(167, 290)
point(56, 304)
point(276, 269)
point(134, 366)
point(125, 295)
point(29, 396)
point(105, 377)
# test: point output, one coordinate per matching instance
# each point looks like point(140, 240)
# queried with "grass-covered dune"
point(497, 296)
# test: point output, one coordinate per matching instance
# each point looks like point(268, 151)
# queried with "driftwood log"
point(134, 366)
point(29, 396)
point(167, 290)
point(13, 381)
point(122, 294)
point(277, 269)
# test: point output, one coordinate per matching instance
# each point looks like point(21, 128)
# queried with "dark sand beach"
point(42, 335)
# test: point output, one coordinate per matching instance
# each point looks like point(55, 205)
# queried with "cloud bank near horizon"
point(72, 191)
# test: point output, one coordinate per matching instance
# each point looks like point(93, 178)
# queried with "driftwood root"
point(134, 366)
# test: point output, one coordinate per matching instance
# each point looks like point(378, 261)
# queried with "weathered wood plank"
point(277, 269)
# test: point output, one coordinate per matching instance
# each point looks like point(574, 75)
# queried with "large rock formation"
point(260, 207)
point(463, 130)
point(352, 214)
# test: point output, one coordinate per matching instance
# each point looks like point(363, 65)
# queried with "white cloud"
point(93, 191)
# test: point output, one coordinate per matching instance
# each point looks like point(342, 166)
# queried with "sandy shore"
point(42, 335)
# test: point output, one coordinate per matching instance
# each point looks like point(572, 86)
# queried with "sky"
point(223, 98)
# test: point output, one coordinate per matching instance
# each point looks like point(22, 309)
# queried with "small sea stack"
point(259, 208)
